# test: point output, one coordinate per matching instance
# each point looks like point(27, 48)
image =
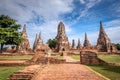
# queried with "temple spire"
point(24, 28)
point(103, 43)
point(61, 38)
point(25, 45)
point(102, 29)
point(40, 35)
point(86, 44)
point(35, 43)
point(73, 44)
point(79, 45)
point(38, 43)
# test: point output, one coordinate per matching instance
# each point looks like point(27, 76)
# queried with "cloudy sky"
point(79, 16)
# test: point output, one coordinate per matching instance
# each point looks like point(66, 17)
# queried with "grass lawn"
point(76, 57)
point(110, 71)
point(24, 57)
point(59, 57)
point(110, 58)
point(5, 71)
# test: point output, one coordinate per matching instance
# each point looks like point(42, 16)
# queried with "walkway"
point(67, 72)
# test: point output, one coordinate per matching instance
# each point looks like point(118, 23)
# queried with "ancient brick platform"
point(27, 73)
point(11, 63)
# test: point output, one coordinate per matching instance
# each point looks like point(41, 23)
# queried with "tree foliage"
point(9, 33)
point(118, 46)
point(51, 43)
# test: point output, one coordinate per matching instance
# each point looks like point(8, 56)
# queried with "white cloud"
point(88, 5)
point(48, 30)
point(82, 1)
point(112, 23)
point(112, 31)
point(25, 10)
point(48, 11)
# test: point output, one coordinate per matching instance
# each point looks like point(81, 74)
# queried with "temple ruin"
point(86, 44)
point(25, 45)
point(62, 39)
point(103, 43)
point(73, 44)
point(79, 46)
point(38, 43)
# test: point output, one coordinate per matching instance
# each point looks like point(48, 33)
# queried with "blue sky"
point(79, 16)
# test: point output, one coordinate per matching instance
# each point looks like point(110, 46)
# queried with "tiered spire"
point(86, 44)
point(73, 44)
point(37, 43)
point(103, 43)
point(79, 46)
point(62, 40)
point(25, 45)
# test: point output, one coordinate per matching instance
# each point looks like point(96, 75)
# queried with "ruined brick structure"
point(103, 43)
point(88, 57)
point(86, 44)
point(25, 45)
point(79, 46)
point(62, 39)
point(73, 44)
point(38, 43)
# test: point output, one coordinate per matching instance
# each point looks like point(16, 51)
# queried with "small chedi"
point(39, 45)
point(61, 38)
point(103, 43)
point(86, 44)
point(25, 45)
point(73, 44)
point(79, 46)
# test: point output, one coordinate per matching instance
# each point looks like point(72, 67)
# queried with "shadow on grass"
point(109, 67)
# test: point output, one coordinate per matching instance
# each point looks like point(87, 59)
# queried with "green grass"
point(110, 71)
point(76, 57)
point(5, 71)
point(110, 58)
point(59, 57)
point(24, 57)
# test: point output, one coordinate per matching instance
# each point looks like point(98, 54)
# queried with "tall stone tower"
point(35, 43)
point(103, 43)
point(62, 39)
point(73, 44)
point(86, 44)
point(79, 46)
point(25, 45)
point(38, 43)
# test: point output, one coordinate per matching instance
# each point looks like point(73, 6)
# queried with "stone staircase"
point(26, 74)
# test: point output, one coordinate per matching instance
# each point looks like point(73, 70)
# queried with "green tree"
point(9, 33)
point(118, 46)
point(51, 43)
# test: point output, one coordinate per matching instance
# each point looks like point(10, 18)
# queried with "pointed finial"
point(40, 35)
point(101, 27)
point(85, 36)
point(24, 28)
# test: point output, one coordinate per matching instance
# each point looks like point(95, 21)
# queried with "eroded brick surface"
point(68, 71)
